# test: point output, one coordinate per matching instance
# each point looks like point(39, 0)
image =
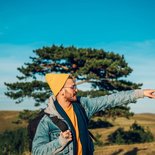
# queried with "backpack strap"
point(58, 122)
point(32, 125)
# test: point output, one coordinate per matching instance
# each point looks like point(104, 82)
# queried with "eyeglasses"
point(72, 87)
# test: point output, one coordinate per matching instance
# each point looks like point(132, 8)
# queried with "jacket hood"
point(51, 109)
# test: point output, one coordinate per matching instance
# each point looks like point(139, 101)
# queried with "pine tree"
point(104, 71)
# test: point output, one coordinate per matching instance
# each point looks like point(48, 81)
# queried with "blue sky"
point(123, 26)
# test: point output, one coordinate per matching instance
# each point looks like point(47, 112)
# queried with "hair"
point(71, 77)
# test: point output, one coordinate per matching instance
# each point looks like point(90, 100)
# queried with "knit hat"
point(56, 81)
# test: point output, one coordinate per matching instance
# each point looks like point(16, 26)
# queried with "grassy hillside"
point(146, 120)
point(6, 119)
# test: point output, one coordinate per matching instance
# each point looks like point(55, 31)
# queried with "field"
point(146, 120)
point(6, 119)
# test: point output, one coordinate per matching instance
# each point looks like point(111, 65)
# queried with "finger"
point(151, 96)
point(67, 135)
point(66, 132)
point(69, 139)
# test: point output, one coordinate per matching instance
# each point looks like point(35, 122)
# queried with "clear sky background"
point(123, 26)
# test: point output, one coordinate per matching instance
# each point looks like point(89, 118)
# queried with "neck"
point(63, 103)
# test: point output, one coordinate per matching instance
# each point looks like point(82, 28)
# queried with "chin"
point(74, 98)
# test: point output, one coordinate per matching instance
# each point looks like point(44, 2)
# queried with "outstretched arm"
point(149, 93)
point(93, 105)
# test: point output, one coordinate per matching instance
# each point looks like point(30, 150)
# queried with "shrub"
point(98, 141)
point(136, 134)
point(14, 142)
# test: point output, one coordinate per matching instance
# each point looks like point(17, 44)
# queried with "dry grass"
point(146, 120)
point(134, 149)
point(6, 119)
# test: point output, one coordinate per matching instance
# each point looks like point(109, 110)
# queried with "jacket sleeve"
point(42, 145)
point(93, 105)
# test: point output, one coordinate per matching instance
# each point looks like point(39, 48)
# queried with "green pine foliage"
point(28, 115)
point(104, 71)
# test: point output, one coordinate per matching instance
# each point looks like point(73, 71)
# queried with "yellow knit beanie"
point(56, 81)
